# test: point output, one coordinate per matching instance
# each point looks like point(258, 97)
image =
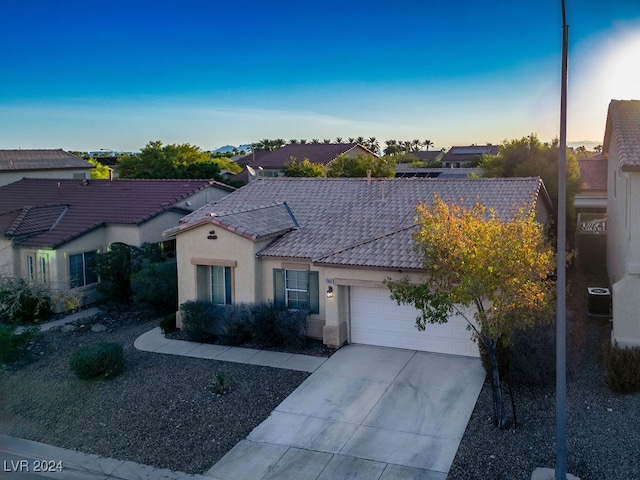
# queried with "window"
point(297, 289)
point(31, 267)
point(43, 272)
point(220, 285)
point(81, 269)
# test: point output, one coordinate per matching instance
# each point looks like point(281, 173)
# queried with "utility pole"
point(561, 320)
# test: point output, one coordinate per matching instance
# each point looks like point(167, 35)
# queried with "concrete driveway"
point(367, 412)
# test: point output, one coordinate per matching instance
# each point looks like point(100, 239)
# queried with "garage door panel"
point(376, 319)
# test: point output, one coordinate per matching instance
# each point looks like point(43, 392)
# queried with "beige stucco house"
point(327, 246)
point(50, 229)
point(622, 148)
point(18, 164)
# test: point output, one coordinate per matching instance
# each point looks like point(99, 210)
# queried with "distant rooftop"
point(22, 160)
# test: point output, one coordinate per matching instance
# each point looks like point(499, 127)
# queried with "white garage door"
point(376, 319)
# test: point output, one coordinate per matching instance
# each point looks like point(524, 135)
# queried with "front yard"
point(160, 411)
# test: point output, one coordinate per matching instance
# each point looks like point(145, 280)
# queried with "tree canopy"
point(168, 161)
point(357, 167)
point(305, 168)
point(528, 157)
point(100, 172)
point(473, 257)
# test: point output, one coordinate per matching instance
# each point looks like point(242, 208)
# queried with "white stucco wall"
point(623, 250)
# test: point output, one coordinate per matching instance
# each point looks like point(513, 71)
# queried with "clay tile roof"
point(34, 219)
point(40, 160)
point(257, 222)
point(623, 128)
point(316, 153)
point(593, 172)
point(360, 222)
point(50, 212)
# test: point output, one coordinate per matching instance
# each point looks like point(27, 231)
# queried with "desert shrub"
point(238, 328)
point(23, 301)
point(622, 367)
point(14, 346)
point(273, 327)
point(155, 287)
point(203, 321)
point(99, 360)
point(168, 323)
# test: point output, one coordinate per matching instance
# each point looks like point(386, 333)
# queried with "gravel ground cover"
point(161, 411)
point(603, 428)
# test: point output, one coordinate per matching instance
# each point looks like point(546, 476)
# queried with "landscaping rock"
point(98, 327)
point(69, 327)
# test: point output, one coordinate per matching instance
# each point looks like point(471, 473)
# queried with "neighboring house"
point(622, 149)
point(18, 164)
point(327, 245)
point(592, 197)
point(591, 208)
point(271, 163)
point(467, 156)
point(50, 229)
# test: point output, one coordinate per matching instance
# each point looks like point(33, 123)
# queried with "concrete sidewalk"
point(20, 458)
point(155, 341)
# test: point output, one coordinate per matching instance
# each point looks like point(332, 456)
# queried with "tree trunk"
point(500, 416)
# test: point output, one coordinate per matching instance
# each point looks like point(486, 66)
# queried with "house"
point(592, 197)
point(271, 163)
point(407, 170)
point(590, 204)
point(17, 164)
point(621, 148)
point(467, 156)
point(327, 245)
point(50, 229)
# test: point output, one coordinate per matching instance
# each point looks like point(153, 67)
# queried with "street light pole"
point(561, 320)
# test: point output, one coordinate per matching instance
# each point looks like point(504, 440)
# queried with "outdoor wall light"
point(330, 292)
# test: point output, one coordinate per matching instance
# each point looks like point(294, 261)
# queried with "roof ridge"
point(364, 242)
point(251, 208)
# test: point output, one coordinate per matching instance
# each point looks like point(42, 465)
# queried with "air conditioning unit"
point(599, 302)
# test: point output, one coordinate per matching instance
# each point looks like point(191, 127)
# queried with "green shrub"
point(114, 269)
point(203, 321)
point(622, 367)
point(23, 301)
point(15, 346)
point(238, 328)
point(99, 360)
point(273, 327)
point(168, 323)
point(155, 287)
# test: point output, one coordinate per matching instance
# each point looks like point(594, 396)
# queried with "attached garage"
point(376, 319)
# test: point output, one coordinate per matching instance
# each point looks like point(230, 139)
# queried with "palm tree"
point(597, 148)
point(428, 143)
point(338, 139)
point(373, 144)
point(278, 143)
point(293, 141)
point(351, 140)
point(360, 140)
point(415, 145)
point(326, 140)
point(315, 140)
point(303, 141)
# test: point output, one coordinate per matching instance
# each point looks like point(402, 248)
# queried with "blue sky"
point(90, 75)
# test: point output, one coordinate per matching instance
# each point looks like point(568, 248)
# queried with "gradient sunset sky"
point(90, 75)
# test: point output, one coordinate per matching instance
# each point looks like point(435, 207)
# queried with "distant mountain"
point(229, 148)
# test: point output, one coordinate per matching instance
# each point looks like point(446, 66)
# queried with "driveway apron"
point(367, 412)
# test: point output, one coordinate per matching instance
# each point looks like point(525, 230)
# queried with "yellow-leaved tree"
point(498, 263)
